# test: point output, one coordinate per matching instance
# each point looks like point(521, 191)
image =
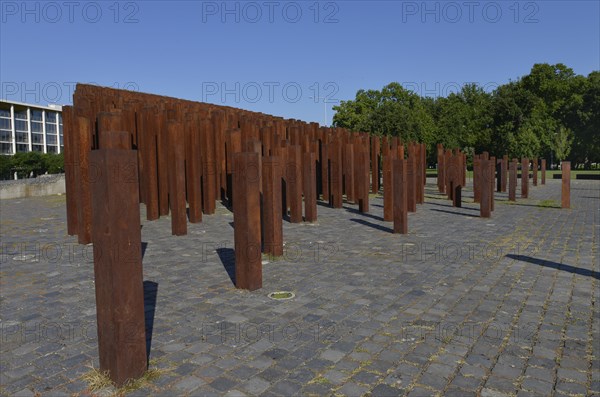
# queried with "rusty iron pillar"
point(272, 216)
point(246, 221)
point(543, 171)
point(335, 174)
point(310, 187)
point(565, 167)
point(484, 178)
point(176, 151)
point(525, 177)
point(294, 182)
point(388, 186)
point(512, 181)
point(118, 264)
point(400, 197)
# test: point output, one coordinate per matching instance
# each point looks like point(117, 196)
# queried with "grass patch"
point(319, 380)
point(548, 204)
point(98, 380)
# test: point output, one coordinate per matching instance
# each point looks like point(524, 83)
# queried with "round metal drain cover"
point(282, 295)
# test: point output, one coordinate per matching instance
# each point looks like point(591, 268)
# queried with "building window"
point(36, 115)
point(50, 128)
point(5, 148)
point(22, 137)
point(20, 125)
point(37, 138)
point(36, 127)
point(21, 115)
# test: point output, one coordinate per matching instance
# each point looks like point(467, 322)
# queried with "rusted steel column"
point(535, 171)
point(411, 175)
point(504, 172)
point(335, 174)
point(348, 164)
point(441, 181)
point(512, 181)
point(233, 146)
point(491, 174)
point(272, 217)
point(476, 178)
point(118, 264)
point(325, 171)
point(388, 186)
point(565, 167)
point(193, 169)
point(163, 162)
point(310, 187)
point(484, 177)
point(464, 169)
point(543, 171)
point(84, 175)
point(218, 124)
point(294, 182)
point(209, 184)
point(498, 172)
point(148, 127)
point(111, 122)
point(177, 178)
point(71, 163)
point(419, 161)
point(448, 169)
point(362, 181)
point(375, 149)
point(400, 197)
point(524, 177)
point(246, 220)
point(424, 165)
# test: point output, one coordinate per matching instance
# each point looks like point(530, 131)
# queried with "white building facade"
point(27, 127)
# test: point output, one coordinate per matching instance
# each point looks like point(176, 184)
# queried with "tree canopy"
point(549, 113)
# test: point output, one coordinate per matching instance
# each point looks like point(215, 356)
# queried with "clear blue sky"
point(273, 56)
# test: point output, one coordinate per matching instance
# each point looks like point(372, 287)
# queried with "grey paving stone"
point(351, 389)
point(188, 383)
point(255, 385)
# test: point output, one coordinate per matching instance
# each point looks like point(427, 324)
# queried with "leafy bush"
point(25, 163)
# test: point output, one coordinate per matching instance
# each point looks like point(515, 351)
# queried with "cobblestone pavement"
point(459, 306)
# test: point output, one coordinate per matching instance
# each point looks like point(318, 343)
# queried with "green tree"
point(563, 138)
point(26, 163)
point(6, 165)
